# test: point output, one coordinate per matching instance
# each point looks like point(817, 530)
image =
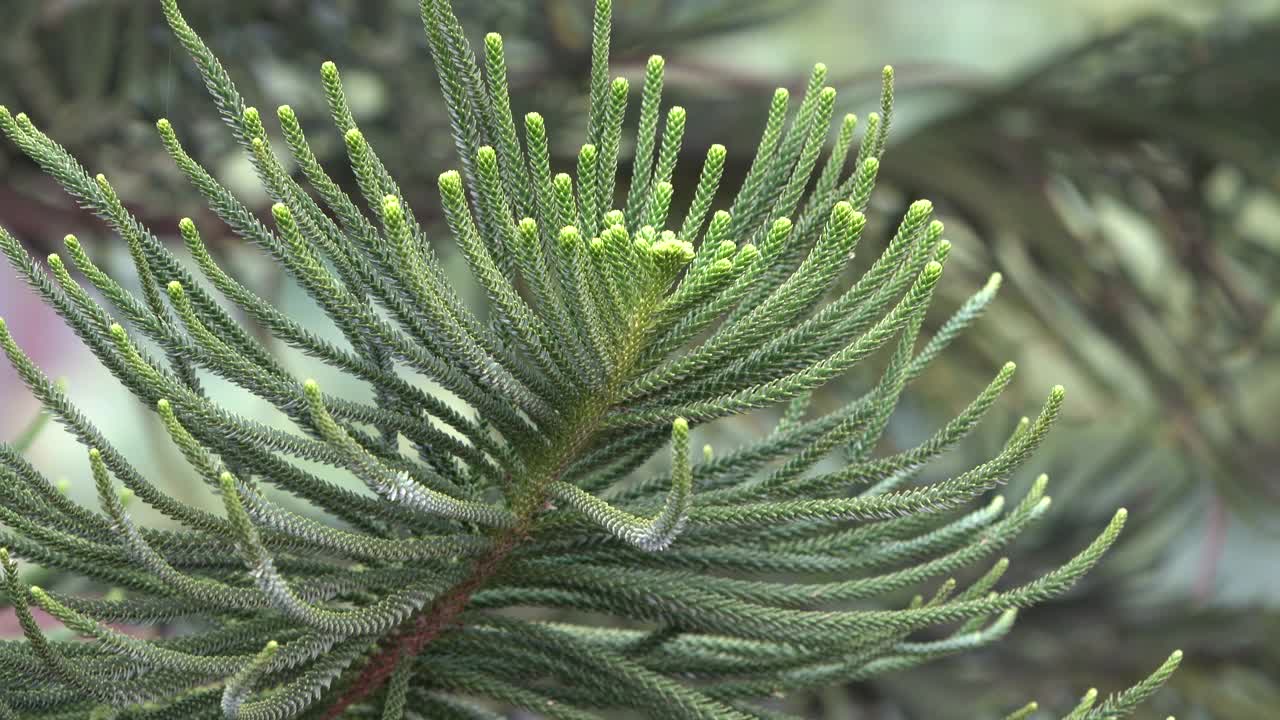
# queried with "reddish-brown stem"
point(424, 628)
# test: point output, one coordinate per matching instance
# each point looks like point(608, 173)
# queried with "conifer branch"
point(519, 478)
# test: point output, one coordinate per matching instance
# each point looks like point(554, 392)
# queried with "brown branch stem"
point(424, 627)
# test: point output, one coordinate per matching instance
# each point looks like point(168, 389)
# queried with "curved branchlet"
point(498, 457)
point(240, 685)
point(653, 534)
point(396, 486)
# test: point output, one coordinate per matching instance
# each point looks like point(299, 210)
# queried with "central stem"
point(424, 627)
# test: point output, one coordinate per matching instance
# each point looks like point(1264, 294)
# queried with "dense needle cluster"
point(521, 479)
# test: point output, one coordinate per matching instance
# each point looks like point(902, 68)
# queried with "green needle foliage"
point(523, 481)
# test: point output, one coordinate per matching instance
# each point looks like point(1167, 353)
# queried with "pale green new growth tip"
point(391, 550)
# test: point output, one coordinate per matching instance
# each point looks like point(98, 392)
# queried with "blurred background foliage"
point(1117, 160)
